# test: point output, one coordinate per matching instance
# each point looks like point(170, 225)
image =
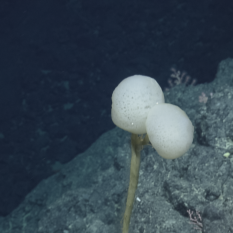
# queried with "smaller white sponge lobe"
point(170, 131)
point(131, 101)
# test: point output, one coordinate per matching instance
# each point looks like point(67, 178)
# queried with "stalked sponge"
point(132, 99)
point(169, 130)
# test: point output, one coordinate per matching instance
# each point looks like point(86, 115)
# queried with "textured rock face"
point(88, 194)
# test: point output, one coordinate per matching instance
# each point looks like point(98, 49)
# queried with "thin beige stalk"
point(137, 143)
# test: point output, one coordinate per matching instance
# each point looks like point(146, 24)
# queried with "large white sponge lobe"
point(132, 99)
point(170, 131)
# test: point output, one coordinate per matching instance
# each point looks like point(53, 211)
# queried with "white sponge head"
point(131, 101)
point(170, 131)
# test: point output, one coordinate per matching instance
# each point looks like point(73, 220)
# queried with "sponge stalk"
point(137, 143)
